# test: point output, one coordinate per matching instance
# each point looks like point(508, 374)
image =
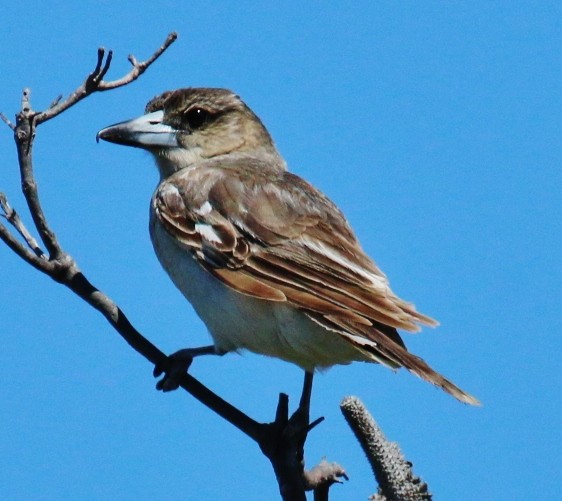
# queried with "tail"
point(383, 349)
point(382, 344)
point(420, 368)
point(398, 355)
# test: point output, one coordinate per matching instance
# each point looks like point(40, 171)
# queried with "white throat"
point(171, 160)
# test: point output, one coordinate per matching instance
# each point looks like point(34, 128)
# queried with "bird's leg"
point(176, 365)
point(299, 422)
point(304, 404)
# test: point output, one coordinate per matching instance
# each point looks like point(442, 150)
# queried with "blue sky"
point(435, 127)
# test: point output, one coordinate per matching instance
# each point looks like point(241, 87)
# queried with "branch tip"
point(101, 53)
point(26, 100)
point(314, 424)
point(5, 119)
point(282, 412)
point(106, 65)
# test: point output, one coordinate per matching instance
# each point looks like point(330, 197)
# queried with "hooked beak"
point(147, 132)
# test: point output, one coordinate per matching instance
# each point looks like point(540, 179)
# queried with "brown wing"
point(273, 236)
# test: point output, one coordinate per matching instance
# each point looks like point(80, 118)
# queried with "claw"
point(176, 365)
point(173, 368)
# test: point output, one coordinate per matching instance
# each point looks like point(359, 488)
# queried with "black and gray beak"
point(147, 132)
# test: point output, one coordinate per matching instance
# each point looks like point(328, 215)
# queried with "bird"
point(268, 262)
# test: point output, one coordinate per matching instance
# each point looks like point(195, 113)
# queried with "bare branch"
point(97, 75)
point(27, 120)
point(95, 83)
point(22, 251)
point(138, 68)
point(24, 136)
point(13, 218)
point(4, 119)
point(394, 474)
point(282, 444)
point(106, 66)
point(97, 69)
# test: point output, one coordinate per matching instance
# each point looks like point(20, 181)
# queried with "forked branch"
point(95, 81)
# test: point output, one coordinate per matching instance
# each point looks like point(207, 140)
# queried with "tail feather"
point(382, 344)
point(383, 348)
point(420, 368)
point(416, 365)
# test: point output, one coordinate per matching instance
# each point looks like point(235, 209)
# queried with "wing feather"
point(273, 236)
point(280, 234)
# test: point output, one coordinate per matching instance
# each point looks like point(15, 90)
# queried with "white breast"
point(237, 321)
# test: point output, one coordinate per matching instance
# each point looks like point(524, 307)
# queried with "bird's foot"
point(176, 365)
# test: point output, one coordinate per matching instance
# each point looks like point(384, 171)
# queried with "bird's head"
point(187, 126)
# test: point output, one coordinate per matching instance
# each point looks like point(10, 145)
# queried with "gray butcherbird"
point(268, 262)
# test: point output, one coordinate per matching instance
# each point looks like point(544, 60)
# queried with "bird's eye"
point(196, 117)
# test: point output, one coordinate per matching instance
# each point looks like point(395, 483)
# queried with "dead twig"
point(5, 119)
point(13, 218)
point(95, 81)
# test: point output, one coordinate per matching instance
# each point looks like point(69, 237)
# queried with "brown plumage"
point(227, 201)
